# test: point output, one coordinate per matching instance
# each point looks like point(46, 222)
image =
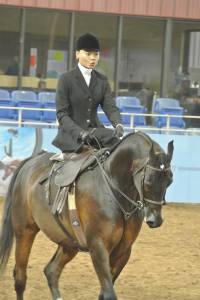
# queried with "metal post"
point(21, 47)
point(118, 55)
point(166, 59)
point(71, 40)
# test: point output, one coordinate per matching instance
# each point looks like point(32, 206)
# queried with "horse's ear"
point(170, 149)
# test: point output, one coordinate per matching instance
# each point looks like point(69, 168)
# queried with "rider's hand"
point(119, 130)
point(85, 137)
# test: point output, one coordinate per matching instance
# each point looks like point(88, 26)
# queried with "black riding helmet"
point(87, 42)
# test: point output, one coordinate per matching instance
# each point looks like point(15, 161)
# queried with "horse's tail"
point(6, 230)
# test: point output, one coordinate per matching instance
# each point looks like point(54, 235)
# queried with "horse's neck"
point(133, 147)
point(120, 161)
point(119, 168)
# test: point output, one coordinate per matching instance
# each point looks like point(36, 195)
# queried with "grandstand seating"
point(131, 105)
point(102, 117)
point(4, 94)
point(19, 95)
point(5, 100)
point(170, 107)
point(7, 113)
point(47, 97)
point(27, 99)
point(49, 116)
point(30, 114)
point(47, 100)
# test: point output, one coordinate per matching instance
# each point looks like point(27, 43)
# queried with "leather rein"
point(138, 205)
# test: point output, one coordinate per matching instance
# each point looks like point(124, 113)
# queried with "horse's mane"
point(134, 133)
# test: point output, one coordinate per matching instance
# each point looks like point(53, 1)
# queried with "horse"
point(112, 199)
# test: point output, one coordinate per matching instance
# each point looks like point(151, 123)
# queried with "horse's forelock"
point(160, 159)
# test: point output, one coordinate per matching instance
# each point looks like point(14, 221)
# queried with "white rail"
point(20, 122)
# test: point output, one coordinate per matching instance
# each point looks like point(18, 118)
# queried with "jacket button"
point(90, 99)
point(88, 121)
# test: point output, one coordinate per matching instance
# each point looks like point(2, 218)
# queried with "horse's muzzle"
point(154, 222)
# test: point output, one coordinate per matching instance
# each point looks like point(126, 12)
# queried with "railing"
point(20, 122)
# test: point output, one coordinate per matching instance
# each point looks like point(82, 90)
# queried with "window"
point(9, 40)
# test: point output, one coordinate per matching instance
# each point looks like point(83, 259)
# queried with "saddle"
point(59, 185)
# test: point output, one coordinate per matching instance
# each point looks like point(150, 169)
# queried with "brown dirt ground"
point(165, 264)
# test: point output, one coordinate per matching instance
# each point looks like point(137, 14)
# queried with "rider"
point(79, 93)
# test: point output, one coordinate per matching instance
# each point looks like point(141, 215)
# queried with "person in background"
point(146, 98)
point(79, 93)
point(13, 69)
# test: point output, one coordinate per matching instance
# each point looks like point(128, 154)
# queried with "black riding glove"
point(119, 130)
point(85, 137)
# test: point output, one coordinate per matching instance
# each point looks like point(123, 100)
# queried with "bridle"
point(143, 170)
point(139, 204)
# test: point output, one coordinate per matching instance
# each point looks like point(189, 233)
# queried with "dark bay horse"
point(112, 200)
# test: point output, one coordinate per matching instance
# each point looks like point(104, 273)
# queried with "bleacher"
point(22, 107)
point(26, 106)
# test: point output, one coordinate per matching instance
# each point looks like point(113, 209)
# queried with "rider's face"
point(88, 59)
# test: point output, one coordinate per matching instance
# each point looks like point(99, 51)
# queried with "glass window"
point(9, 40)
point(185, 68)
point(46, 43)
point(141, 54)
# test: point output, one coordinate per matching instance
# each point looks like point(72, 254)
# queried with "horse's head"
point(151, 181)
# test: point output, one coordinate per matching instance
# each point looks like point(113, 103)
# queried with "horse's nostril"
point(151, 224)
point(154, 224)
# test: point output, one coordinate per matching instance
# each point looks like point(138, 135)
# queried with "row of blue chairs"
point(168, 106)
point(28, 99)
point(161, 106)
point(128, 105)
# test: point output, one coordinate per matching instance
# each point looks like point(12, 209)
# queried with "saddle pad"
point(69, 171)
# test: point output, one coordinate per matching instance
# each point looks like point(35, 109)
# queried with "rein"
point(138, 204)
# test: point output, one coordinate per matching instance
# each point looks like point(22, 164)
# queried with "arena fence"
point(21, 138)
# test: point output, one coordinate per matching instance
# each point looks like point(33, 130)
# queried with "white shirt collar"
point(84, 70)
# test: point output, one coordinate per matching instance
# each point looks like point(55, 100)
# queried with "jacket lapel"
point(81, 81)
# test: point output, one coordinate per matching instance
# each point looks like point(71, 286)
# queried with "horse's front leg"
point(54, 269)
point(100, 259)
point(118, 261)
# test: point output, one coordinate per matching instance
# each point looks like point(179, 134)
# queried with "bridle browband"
point(138, 205)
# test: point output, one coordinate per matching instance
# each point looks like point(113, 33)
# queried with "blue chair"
point(168, 106)
point(131, 105)
point(7, 113)
point(47, 97)
point(47, 100)
point(102, 117)
point(49, 116)
point(27, 99)
point(128, 101)
point(23, 95)
point(4, 94)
